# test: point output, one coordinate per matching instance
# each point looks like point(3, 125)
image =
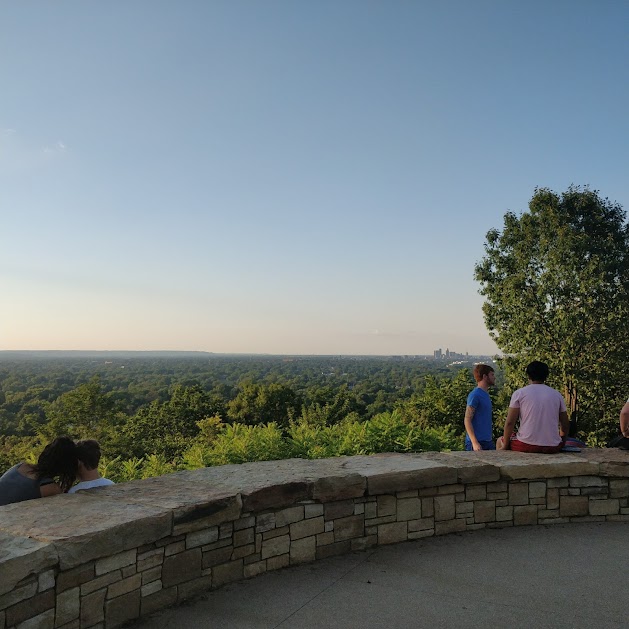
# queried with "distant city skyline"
point(439, 354)
point(287, 178)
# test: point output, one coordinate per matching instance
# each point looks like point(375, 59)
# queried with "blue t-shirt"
point(481, 422)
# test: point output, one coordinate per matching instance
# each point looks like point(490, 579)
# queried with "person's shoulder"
point(516, 396)
point(91, 484)
point(9, 475)
point(84, 484)
point(552, 396)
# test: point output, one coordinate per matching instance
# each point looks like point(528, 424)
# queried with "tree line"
point(157, 415)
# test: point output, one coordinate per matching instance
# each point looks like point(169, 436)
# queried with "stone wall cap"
point(526, 466)
point(612, 461)
point(180, 493)
point(22, 556)
point(84, 526)
point(470, 469)
point(391, 472)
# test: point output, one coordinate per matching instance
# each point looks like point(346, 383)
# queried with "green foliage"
point(194, 457)
point(15, 449)
point(166, 427)
point(443, 400)
point(154, 417)
point(209, 427)
point(389, 432)
point(386, 432)
point(129, 470)
point(108, 468)
point(556, 287)
point(156, 465)
point(263, 403)
point(239, 443)
point(316, 441)
point(123, 470)
point(329, 406)
point(84, 412)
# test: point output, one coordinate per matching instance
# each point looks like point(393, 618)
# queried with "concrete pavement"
point(558, 576)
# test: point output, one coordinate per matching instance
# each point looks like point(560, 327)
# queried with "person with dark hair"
point(88, 453)
point(541, 410)
point(478, 424)
point(54, 473)
point(622, 440)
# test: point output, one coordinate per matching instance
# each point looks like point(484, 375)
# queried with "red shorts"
point(520, 446)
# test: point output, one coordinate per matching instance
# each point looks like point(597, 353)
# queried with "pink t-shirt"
point(539, 414)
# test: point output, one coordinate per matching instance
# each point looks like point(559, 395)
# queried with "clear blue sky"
point(287, 177)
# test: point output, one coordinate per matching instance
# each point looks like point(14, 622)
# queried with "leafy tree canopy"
point(84, 412)
point(556, 284)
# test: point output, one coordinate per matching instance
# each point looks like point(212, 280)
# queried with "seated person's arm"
point(49, 489)
point(564, 423)
point(469, 428)
point(624, 420)
point(512, 417)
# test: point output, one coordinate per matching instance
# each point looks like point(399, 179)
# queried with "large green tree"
point(556, 286)
point(264, 403)
point(165, 428)
point(84, 412)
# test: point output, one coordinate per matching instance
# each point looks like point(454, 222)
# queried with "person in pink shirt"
point(541, 410)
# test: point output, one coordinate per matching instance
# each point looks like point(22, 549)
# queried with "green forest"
point(154, 415)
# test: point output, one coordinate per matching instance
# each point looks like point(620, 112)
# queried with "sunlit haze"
point(287, 177)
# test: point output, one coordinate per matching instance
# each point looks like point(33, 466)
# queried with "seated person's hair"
point(88, 452)
point(59, 459)
point(537, 371)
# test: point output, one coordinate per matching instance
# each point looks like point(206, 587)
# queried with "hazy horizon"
point(209, 352)
point(288, 178)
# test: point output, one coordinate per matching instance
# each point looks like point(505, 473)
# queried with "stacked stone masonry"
point(101, 558)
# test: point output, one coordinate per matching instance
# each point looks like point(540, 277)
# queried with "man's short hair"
point(88, 452)
point(480, 371)
point(537, 371)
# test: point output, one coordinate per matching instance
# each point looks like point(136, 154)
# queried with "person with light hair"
point(478, 422)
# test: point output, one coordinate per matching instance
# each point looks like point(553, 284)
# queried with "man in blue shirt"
point(478, 424)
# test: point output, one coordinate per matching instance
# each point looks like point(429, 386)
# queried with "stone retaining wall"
point(101, 558)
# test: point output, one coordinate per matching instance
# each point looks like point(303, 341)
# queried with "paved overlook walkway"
point(559, 576)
